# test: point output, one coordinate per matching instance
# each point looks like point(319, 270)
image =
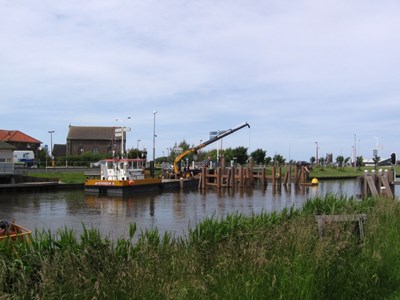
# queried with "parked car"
point(98, 163)
point(303, 164)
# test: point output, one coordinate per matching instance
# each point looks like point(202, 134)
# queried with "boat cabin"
point(122, 169)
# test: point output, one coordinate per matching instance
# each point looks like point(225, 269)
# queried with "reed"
point(270, 255)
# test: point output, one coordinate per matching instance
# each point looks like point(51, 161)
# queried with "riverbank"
point(268, 256)
point(322, 173)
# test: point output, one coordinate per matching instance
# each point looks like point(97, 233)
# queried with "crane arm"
point(179, 158)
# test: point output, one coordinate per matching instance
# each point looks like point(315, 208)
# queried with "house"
point(59, 151)
point(6, 152)
point(20, 140)
point(93, 139)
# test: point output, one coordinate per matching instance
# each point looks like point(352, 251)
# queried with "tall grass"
point(268, 256)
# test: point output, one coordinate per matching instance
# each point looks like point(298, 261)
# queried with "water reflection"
point(174, 212)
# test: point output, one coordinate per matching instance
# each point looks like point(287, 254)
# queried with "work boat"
point(122, 177)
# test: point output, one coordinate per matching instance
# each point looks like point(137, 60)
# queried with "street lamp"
point(355, 151)
point(316, 158)
point(154, 135)
point(122, 136)
point(154, 141)
point(51, 145)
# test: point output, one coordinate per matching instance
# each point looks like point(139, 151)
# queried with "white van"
point(24, 156)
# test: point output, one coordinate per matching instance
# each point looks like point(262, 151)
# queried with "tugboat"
point(122, 177)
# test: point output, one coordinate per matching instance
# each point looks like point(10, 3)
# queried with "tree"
point(238, 153)
point(278, 160)
point(312, 160)
point(359, 162)
point(258, 156)
point(340, 160)
point(376, 161)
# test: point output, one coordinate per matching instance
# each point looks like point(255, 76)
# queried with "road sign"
point(119, 129)
point(213, 134)
point(178, 150)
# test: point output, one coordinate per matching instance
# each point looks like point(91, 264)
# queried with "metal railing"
point(6, 168)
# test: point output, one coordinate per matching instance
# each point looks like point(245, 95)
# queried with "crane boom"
point(179, 158)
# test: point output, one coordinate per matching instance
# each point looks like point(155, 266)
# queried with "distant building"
point(6, 152)
point(20, 140)
point(93, 139)
point(59, 151)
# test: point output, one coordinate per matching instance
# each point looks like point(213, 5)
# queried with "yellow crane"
point(178, 159)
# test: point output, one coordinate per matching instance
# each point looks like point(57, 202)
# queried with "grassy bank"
point(267, 256)
point(318, 172)
point(64, 177)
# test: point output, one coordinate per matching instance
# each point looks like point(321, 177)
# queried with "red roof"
point(17, 136)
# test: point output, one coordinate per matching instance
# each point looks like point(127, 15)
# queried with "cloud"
point(297, 71)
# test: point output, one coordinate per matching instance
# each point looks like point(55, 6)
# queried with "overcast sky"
point(298, 71)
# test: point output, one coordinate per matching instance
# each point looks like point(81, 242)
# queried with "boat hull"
point(122, 187)
point(15, 232)
point(126, 187)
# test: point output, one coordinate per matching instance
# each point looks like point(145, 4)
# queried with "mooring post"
point(241, 175)
point(365, 184)
point(263, 179)
point(296, 175)
point(204, 177)
point(273, 175)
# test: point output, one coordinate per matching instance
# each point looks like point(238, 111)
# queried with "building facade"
point(20, 140)
point(92, 139)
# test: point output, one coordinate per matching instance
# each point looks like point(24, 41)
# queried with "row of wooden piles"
point(223, 177)
point(378, 183)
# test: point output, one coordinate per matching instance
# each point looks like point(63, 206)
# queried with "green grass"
point(266, 256)
point(64, 177)
point(333, 172)
point(318, 172)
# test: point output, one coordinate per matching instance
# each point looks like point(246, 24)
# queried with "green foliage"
point(259, 156)
point(239, 154)
point(278, 160)
point(265, 256)
point(84, 159)
point(70, 177)
point(340, 161)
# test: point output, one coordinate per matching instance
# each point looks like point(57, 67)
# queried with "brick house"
point(93, 139)
point(20, 140)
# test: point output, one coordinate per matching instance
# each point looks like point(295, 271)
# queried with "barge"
point(127, 177)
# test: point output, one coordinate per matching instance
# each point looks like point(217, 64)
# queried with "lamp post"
point(154, 135)
point(137, 147)
point(51, 146)
point(355, 151)
point(154, 139)
point(316, 157)
point(122, 136)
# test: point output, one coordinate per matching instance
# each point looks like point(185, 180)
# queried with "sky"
point(306, 75)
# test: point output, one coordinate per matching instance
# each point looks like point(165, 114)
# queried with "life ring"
point(131, 182)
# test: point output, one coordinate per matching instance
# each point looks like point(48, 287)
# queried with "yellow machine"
point(178, 159)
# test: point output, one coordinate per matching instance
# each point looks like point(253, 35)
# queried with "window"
point(95, 150)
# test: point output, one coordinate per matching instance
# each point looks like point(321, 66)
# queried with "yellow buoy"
point(314, 181)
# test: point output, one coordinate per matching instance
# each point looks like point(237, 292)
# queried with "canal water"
point(173, 212)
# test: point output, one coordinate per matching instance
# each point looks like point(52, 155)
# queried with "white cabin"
point(122, 169)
